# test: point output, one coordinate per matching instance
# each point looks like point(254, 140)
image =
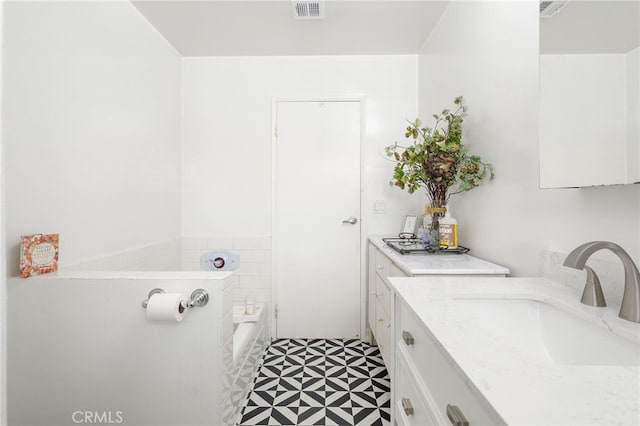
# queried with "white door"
point(317, 220)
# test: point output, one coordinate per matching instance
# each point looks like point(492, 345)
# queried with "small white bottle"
point(448, 230)
point(250, 306)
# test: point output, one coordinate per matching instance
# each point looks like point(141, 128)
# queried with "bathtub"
point(84, 344)
point(249, 342)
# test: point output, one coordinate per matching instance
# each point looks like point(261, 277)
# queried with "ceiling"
point(267, 28)
point(590, 27)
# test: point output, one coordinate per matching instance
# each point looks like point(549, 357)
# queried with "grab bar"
point(199, 298)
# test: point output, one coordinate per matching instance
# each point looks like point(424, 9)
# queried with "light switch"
point(379, 207)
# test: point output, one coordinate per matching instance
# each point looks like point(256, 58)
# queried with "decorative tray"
point(416, 246)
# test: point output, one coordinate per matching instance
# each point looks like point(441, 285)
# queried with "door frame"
point(363, 222)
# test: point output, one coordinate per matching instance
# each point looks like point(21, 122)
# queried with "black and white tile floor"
point(319, 382)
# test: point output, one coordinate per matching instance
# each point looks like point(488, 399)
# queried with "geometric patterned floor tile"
point(319, 382)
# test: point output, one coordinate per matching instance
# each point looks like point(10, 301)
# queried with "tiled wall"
point(251, 280)
point(161, 256)
point(611, 274)
point(183, 254)
point(254, 273)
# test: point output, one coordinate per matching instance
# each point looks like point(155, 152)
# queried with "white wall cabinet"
point(589, 95)
point(593, 135)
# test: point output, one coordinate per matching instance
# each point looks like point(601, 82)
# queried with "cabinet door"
point(383, 335)
point(383, 293)
point(371, 289)
point(409, 406)
point(444, 384)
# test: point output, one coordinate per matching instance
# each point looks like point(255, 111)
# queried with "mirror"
point(589, 93)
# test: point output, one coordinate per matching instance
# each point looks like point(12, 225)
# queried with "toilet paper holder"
point(199, 298)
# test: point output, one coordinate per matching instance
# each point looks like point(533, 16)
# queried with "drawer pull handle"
point(407, 406)
point(380, 267)
point(455, 416)
point(408, 338)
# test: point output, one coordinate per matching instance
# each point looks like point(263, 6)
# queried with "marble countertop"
point(438, 264)
point(521, 388)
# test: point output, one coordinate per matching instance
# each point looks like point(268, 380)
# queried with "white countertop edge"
point(406, 262)
point(440, 289)
point(134, 275)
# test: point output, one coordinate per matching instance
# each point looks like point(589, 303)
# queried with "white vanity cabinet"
point(428, 388)
point(380, 306)
point(384, 262)
point(482, 349)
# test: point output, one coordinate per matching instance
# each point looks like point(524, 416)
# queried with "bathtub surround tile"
point(247, 268)
point(252, 279)
point(214, 243)
point(194, 243)
point(254, 273)
point(256, 256)
point(319, 381)
point(159, 256)
point(255, 281)
point(240, 294)
point(259, 243)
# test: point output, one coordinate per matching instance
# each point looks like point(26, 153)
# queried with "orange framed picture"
point(38, 254)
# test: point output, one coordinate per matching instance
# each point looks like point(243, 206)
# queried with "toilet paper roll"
point(166, 307)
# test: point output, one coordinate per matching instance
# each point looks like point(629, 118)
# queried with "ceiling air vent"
point(308, 9)
point(550, 8)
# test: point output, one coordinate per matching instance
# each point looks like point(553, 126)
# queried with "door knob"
point(352, 220)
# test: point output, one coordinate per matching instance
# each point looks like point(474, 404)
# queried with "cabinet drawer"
point(371, 287)
point(383, 293)
point(383, 334)
point(410, 408)
point(445, 384)
point(382, 264)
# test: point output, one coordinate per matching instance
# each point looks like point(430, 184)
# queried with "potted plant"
point(437, 161)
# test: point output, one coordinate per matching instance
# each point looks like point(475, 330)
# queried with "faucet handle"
point(592, 294)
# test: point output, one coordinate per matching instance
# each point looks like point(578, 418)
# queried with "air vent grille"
point(550, 8)
point(308, 9)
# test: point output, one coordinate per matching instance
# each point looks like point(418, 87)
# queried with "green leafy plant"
point(437, 160)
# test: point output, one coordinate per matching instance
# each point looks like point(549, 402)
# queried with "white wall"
point(226, 146)
point(227, 134)
point(91, 128)
point(632, 62)
point(582, 118)
point(3, 257)
point(488, 52)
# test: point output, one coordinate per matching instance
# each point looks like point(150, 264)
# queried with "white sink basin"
point(546, 332)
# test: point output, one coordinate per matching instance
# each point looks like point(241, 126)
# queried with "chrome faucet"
point(630, 307)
